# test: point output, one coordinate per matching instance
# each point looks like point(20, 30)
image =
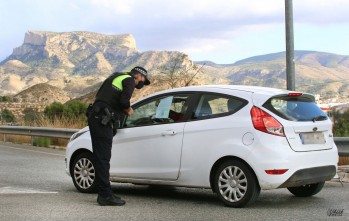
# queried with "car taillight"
point(264, 122)
point(294, 94)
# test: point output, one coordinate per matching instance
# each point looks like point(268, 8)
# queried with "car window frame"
point(302, 98)
point(223, 95)
point(192, 96)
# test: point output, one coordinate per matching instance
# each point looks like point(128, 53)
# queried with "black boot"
point(110, 201)
point(116, 197)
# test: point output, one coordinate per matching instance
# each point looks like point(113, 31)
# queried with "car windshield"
point(295, 109)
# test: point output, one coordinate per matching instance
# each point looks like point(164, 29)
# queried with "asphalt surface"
point(34, 186)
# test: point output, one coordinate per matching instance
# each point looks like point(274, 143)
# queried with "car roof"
point(252, 89)
point(262, 91)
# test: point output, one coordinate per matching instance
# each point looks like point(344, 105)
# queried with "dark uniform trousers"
point(102, 139)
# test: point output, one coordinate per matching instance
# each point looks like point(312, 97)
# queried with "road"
point(34, 186)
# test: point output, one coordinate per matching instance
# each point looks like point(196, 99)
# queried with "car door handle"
point(169, 133)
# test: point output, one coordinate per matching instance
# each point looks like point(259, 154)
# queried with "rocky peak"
point(61, 44)
point(83, 57)
point(35, 38)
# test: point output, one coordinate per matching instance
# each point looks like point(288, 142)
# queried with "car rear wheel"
point(306, 190)
point(235, 184)
point(83, 173)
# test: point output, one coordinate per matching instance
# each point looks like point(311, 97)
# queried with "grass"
point(17, 139)
point(37, 141)
point(58, 122)
point(61, 122)
point(42, 142)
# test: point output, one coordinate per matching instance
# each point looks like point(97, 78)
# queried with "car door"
point(149, 145)
point(216, 127)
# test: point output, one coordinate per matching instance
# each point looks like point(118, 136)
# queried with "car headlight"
point(76, 135)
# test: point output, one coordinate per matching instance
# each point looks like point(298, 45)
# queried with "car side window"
point(216, 105)
point(168, 109)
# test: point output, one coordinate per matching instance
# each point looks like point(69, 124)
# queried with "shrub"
point(6, 99)
point(74, 110)
point(56, 109)
point(7, 116)
point(30, 116)
point(69, 115)
point(341, 124)
point(42, 142)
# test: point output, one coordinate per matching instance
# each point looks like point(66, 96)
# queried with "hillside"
point(75, 64)
point(43, 94)
point(73, 61)
point(36, 97)
point(316, 72)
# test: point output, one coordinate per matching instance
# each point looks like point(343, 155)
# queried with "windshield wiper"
point(319, 118)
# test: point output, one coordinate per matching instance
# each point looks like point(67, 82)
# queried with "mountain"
point(316, 72)
point(73, 61)
point(75, 64)
point(303, 57)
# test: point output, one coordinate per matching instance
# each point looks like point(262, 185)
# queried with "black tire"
point(306, 190)
point(235, 184)
point(83, 173)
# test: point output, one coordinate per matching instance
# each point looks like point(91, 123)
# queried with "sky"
point(222, 31)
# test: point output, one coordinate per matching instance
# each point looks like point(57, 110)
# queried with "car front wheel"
point(235, 184)
point(306, 190)
point(83, 173)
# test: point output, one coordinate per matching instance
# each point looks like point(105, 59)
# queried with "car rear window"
point(217, 105)
point(295, 108)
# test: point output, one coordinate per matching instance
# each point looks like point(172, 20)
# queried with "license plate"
point(312, 138)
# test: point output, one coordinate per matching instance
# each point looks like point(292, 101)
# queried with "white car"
point(236, 140)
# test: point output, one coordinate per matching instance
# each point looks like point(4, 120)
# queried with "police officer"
point(112, 101)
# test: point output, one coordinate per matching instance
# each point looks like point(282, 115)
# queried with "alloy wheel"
point(232, 184)
point(84, 173)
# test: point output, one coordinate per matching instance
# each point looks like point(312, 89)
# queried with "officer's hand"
point(129, 111)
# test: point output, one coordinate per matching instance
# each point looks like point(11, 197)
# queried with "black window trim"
point(201, 93)
point(192, 97)
point(302, 98)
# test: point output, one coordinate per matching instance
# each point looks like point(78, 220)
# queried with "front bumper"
point(66, 166)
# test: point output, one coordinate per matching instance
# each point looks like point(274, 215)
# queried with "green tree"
point(6, 99)
point(30, 115)
point(74, 109)
point(7, 116)
point(341, 124)
point(55, 109)
point(178, 73)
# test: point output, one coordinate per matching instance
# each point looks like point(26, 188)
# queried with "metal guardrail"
point(37, 132)
point(342, 145)
point(341, 142)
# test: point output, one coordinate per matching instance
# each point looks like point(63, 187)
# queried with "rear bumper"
point(309, 176)
point(302, 167)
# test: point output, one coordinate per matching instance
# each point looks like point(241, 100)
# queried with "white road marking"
point(53, 154)
point(19, 190)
